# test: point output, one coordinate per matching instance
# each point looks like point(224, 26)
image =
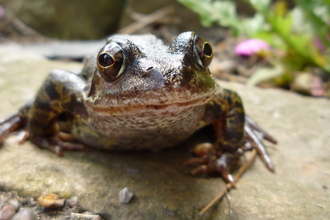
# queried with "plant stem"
point(241, 170)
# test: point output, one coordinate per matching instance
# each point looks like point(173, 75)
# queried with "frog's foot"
point(56, 145)
point(9, 125)
point(251, 128)
point(254, 126)
point(211, 161)
point(24, 137)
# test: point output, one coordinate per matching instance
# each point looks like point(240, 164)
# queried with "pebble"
point(125, 195)
point(7, 212)
point(14, 202)
point(73, 202)
point(15, 207)
point(25, 214)
point(43, 217)
point(51, 201)
point(3, 201)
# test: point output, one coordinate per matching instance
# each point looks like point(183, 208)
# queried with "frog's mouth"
point(161, 107)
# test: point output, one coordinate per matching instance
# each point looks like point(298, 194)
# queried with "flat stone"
point(299, 189)
point(7, 212)
point(25, 214)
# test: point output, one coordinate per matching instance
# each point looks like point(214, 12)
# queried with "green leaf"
point(299, 23)
point(272, 38)
point(317, 14)
point(261, 5)
point(286, 30)
point(264, 74)
point(221, 12)
point(253, 25)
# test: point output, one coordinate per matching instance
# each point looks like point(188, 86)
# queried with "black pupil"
point(207, 49)
point(105, 60)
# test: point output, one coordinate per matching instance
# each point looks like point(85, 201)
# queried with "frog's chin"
point(160, 107)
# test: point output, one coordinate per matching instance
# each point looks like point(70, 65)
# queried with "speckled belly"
point(151, 129)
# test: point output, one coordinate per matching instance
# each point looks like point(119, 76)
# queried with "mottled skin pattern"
point(135, 95)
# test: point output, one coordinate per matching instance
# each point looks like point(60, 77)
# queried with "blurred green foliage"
point(301, 33)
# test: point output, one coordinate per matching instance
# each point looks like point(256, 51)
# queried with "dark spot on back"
point(51, 92)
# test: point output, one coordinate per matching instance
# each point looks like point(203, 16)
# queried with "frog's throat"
point(167, 107)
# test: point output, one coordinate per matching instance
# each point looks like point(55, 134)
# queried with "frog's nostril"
point(152, 71)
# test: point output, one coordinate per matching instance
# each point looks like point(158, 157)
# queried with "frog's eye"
point(111, 61)
point(203, 52)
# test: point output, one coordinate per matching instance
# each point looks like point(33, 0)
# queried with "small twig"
point(146, 20)
point(229, 204)
point(243, 168)
point(23, 28)
point(82, 215)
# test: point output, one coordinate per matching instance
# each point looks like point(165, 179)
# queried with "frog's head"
point(130, 75)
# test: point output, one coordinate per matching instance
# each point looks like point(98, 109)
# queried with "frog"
point(138, 94)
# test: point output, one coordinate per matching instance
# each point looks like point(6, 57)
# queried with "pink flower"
point(251, 46)
point(319, 45)
point(2, 12)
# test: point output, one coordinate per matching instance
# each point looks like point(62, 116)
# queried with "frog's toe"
point(9, 125)
point(24, 136)
point(254, 126)
point(250, 129)
point(214, 168)
point(65, 136)
point(68, 146)
point(55, 145)
point(211, 161)
point(204, 152)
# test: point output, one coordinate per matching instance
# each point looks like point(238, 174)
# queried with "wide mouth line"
point(197, 101)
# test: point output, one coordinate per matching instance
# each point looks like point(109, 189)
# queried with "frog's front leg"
point(60, 93)
point(226, 114)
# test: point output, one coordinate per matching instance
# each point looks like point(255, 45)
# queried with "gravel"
point(16, 207)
